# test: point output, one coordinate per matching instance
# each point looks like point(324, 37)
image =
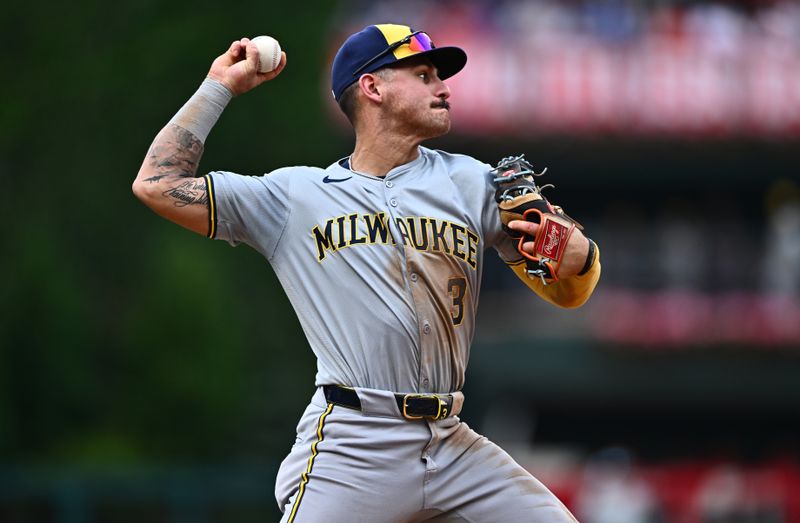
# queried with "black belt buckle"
point(441, 406)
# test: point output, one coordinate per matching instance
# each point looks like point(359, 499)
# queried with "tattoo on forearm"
point(175, 154)
point(190, 192)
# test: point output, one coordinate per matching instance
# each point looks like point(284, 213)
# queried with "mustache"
point(444, 104)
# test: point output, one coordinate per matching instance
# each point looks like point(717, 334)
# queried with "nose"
point(442, 91)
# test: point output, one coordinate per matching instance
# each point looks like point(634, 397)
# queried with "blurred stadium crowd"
point(621, 66)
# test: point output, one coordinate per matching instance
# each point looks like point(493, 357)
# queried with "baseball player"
point(381, 256)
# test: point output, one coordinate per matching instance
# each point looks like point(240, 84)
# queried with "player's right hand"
point(237, 68)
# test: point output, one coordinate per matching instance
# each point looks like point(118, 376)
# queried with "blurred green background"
point(149, 374)
point(127, 343)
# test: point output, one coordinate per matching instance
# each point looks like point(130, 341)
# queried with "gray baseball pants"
point(374, 466)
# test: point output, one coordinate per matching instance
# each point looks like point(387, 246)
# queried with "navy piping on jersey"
point(212, 207)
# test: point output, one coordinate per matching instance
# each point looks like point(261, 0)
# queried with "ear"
point(372, 87)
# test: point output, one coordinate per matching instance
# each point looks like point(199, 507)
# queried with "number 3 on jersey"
point(457, 288)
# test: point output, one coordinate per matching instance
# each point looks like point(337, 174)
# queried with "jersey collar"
point(344, 163)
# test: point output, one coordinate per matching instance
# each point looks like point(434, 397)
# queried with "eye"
point(425, 76)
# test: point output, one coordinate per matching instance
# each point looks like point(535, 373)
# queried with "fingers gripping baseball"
point(575, 253)
point(237, 68)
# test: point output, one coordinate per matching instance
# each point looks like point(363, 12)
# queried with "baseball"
point(269, 53)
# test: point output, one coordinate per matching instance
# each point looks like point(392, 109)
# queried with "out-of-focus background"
point(148, 374)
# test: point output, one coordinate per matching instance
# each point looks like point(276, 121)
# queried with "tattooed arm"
point(167, 181)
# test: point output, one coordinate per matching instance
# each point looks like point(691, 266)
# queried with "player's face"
point(416, 100)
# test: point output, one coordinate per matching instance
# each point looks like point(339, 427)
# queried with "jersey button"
point(393, 202)
point(414, 276)
point(426, 328)
point(389, 184)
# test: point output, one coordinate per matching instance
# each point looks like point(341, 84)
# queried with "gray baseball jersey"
point(384, 273)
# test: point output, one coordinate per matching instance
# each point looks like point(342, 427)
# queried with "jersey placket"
point(393, 195)
point(433, 374)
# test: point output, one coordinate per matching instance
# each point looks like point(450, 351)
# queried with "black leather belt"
point(412, 406)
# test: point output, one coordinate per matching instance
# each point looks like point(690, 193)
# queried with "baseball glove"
point(519, 198)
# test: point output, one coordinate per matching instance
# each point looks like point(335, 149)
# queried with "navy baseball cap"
point(380, 45)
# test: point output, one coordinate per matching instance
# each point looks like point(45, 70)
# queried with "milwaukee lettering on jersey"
point(418, 232)
point(552, 244)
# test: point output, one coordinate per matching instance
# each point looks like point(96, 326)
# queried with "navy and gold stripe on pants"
point(304, 480)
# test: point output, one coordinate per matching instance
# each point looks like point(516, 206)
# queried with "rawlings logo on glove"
point(554, 235)
point(519, 198)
